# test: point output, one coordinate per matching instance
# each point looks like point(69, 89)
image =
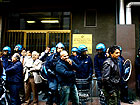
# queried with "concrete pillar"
point(126, 39)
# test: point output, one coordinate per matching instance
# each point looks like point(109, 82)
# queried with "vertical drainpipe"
point(128, 11)
point(121, 13)
point(116, 22)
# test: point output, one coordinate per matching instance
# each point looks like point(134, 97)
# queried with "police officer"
point(14, 75)
point(111, 77)
point(99, 58)
point(50, 66)
point(137, 66)
point(18, 49)
point(85, 64)
point(45, 57)
point(53, 50)
point(45, 54)
point(124, 87)
point(6, 60)
point(74, 52)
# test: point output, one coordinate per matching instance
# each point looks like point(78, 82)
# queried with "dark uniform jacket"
point(15, 73)
point(137, 64)
point(6, 60)
point(111, 75)
point(98, 63)
point(85, 65)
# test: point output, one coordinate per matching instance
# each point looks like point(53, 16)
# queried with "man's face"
point(34, 56)
point(14, 59)
point(16, 49)
point(116, 54)
point(99, 51)
point(139, 52)
point(29, 53)
point(37, 56)
point(74, 53)
point(23, 53)
point(59, 49)
point(5, 52)
point(64, 56)
point(84, 52)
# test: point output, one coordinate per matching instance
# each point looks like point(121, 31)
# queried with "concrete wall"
point(104, 32)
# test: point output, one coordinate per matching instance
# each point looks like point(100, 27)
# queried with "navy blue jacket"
point(137, 65)
point(121, 61)
point(15, 73)
point(98, 63)
point(74, 58)
point(51, 61)
point(66, 75)
point(85, 65)
point(50, 66)
point(6, 61)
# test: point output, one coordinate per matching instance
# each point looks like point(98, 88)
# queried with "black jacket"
point(111, 75)
point(66, 75)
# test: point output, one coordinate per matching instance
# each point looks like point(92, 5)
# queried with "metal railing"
point(37, 39)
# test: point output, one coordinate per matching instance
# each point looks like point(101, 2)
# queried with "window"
point(90, 19)
point(39, 21)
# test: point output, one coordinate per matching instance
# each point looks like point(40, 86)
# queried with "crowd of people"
point(25, 70)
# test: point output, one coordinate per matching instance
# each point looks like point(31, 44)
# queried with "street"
point(95, 101)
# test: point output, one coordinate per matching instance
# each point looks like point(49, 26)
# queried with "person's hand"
point(69, 61)
point(74, 70)
point(47, 50)
point(89, 78)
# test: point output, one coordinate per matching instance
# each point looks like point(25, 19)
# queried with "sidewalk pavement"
point(95, 101)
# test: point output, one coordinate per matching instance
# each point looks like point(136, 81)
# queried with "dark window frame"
point(85, 18)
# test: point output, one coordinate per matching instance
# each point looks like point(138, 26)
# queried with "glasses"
point(65, 56)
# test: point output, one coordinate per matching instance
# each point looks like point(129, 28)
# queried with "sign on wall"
point(85, 39)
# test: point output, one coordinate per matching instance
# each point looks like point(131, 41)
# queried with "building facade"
point(37, 24)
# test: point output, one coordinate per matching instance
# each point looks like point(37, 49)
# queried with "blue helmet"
point(7, 48)
point(74, 49)
point(100, 46)
point(60, 45)
point(120, 48)
point(19, 47)
point(82, 48)
point(53, 50)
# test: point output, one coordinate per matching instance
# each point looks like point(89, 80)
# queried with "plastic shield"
point(127, 70)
